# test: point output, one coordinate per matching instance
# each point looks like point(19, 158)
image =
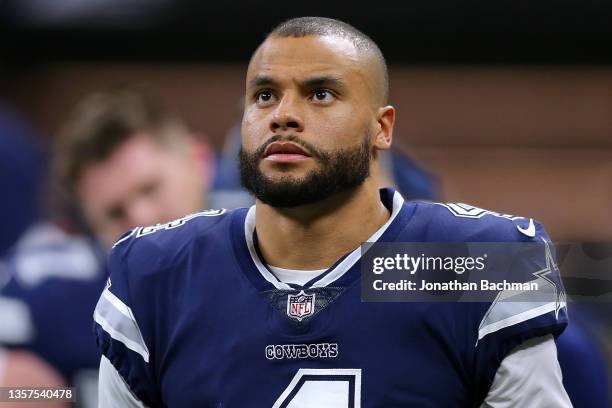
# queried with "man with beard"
point(262, 307)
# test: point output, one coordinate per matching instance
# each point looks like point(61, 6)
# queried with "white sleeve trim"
point(113, 391)
point(529, 377)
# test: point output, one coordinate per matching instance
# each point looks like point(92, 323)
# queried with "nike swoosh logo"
point(530, 231)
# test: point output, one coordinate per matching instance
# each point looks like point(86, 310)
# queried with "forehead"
point(291, 56)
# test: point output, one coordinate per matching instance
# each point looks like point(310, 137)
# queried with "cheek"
point(93, 216)
point(338, 127)
point(255, 128)
point(92, 195)
point(106, 230)
point(180, 191)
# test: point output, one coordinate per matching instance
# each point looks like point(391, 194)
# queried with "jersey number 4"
point(322, 388)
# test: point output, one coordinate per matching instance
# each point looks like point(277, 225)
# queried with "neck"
point(314, 236)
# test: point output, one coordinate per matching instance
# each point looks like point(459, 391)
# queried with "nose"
point(287, 115)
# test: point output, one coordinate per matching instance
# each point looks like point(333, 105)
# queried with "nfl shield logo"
point(300, 306)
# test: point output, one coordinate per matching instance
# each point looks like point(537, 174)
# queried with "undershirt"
point(295, 276)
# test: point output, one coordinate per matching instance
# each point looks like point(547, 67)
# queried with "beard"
point(339, 171)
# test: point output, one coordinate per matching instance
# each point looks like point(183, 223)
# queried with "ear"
point(384, 134)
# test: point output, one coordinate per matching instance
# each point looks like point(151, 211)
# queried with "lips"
point(285, 149)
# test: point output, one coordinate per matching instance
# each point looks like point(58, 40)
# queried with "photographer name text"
point(454, 285)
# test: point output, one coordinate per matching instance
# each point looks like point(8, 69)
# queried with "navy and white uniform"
point(191, 316)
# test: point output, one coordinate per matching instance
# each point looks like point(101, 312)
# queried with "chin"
point(284, 177)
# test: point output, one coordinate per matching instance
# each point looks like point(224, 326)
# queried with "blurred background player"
point(125, 161)
point(122, 160)
point(22, 161)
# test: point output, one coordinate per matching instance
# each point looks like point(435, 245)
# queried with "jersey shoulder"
point(155, 247)
point(148, 267)
point(464, 222)
point(147, 261)
point(497, 326)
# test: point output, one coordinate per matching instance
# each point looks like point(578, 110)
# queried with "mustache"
point(314, 152)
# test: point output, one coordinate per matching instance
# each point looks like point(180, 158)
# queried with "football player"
point(261, 307)
point(123, 160)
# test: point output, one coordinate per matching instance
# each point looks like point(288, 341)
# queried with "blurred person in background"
point(121, 161)
point(125, 161)
point(22, 161)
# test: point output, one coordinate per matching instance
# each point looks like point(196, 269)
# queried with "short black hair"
point(323, 26)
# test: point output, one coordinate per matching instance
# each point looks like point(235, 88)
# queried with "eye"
point(322, 95)
point(264, 97)
point(149, 188)
point(115, 213)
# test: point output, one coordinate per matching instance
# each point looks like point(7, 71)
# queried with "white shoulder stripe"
point(530, 310)
point(117, 319)
point(513, 307)
point(118, 304)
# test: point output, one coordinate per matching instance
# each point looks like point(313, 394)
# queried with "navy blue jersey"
point(192, 317)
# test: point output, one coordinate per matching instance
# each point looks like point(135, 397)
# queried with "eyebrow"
point(314, 82)
point(262, 80)
point(327, 80)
